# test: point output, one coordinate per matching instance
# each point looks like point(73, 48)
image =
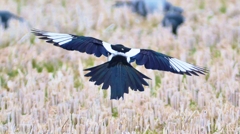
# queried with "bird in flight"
point(117, 72)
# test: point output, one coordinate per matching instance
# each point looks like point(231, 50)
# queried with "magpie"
point(6, 16)
point(117, 72)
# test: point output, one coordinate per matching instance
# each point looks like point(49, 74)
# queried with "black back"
point(120, 48)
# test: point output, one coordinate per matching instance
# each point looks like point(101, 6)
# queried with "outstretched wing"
point(82, 44)
point(158, 61)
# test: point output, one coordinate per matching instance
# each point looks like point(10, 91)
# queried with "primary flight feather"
point(118, 72)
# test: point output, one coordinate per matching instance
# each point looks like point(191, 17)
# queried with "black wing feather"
point(71, 42)
point(158, 61)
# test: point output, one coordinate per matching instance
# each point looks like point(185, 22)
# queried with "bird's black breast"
point(120, 48)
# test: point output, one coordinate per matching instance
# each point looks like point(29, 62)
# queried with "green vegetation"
point(50, 66)
point(215, 52)
point(223, 8)
point(4, 44)
point(202, 4)
point(193, 105)
point(115, 112)
point(12, 73)
point(32, 39)
point(158, 80)
point(105, 93)
point(64, 3)
point(89, 62)
point(77, 83)
point(3, 82)
point(192, 51)
point(151, 132)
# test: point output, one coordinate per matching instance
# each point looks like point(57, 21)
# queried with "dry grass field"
point(43, 88)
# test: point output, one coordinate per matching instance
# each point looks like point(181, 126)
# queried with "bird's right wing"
point(82, 44)
point(158, 61)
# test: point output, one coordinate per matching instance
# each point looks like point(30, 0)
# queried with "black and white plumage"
point(118, 72)
point(6, 16)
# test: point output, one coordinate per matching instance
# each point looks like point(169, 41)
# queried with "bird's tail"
point(118, 74)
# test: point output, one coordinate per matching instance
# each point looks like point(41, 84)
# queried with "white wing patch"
point(59, 38)
point(132, 52)
point(64, 42)
point(180, 65)
point(54, 34)
point(108, 47)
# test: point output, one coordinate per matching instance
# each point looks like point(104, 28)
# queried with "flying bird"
point(6, 16)
point(117, 72)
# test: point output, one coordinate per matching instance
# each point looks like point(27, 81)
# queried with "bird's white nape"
point(180, 65)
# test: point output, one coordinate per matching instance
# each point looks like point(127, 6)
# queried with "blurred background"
point(43, 88)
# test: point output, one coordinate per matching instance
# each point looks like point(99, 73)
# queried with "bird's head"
point(120, 48)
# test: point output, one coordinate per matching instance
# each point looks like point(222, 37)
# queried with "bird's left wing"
point(82, 44)
point(158, 61)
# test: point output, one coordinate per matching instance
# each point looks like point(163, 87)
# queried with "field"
point(43, 88)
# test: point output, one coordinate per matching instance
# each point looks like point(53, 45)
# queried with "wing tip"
point(37, 32)
point(196, 72)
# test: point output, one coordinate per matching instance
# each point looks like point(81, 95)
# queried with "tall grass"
point(43, 88)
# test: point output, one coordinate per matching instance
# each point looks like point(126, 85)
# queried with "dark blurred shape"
point(6, 16)
point(145, 7)
point(138, 7)
point(168, 7)
point(172, 14)
point(173, 20)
